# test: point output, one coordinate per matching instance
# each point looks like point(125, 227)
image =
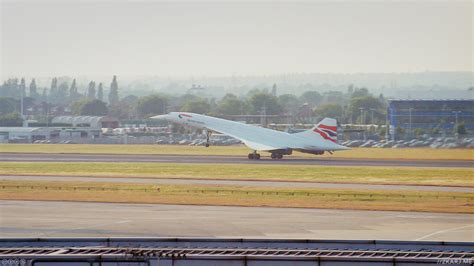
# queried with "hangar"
point(23, 134)
point(77, 129)
point(53, 134)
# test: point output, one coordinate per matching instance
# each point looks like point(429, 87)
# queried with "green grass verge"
point(239, 196)
point(356, 153)
point(337, 174)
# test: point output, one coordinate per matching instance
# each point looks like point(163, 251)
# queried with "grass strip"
point(333, 174)
point(239, 196)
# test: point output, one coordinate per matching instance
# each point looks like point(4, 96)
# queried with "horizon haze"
point(225, 39)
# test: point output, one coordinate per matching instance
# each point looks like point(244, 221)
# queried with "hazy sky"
point(128, 38)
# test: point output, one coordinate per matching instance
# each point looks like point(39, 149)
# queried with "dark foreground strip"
point(201, 251)
point(154, 252)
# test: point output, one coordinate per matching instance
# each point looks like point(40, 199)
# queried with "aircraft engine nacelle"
point(283, 151)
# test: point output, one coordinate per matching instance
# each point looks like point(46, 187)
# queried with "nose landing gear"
point(208, 134)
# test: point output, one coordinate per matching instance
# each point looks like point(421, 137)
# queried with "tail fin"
point(327, 129)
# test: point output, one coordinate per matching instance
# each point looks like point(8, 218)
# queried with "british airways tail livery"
point(321, 138)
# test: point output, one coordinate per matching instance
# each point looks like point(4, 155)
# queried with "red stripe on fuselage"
point(186, 115)
point(324, 135)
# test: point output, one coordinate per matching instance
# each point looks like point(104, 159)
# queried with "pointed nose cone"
point(160, 117)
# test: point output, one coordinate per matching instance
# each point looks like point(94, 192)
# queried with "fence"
point(223, 192)
point(156, 189)
point(326, 194)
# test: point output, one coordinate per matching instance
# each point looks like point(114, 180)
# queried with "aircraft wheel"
point(277, 155)
point(207, 145)
point(251, 156)
point(257, 156)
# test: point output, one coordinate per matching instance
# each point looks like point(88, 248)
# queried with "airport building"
point(87, 121)
point(429, 115)
point(22, 134)
point(75, 129)
point(49, 134)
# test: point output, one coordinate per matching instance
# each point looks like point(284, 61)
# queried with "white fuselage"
point(257, 138)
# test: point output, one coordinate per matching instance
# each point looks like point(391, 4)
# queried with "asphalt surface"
point(288, 160)
point(80, 219)
point(249, 183)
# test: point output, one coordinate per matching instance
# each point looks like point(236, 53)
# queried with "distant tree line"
point(355, 105)
point(59, 92)
point(58, 96)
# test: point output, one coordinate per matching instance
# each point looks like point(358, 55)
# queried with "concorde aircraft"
point(319, 139)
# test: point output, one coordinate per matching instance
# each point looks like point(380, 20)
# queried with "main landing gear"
point(254, 156)
point(276, 155)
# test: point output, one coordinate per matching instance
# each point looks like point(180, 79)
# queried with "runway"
point(249, 183)
point(78, 219)
point(288, 160)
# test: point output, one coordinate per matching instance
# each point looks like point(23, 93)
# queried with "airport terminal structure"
point(441, 115)
point(76, 129)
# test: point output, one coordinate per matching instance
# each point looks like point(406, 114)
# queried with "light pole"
point(47, 110)
point(387, 126)
point(372, 119)
point(22, 107)
point(362, 120)
point(409, 125)
point(264, 115)
point(361, 115)
point(456, 113)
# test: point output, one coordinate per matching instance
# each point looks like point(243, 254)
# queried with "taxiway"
point(81, 219)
